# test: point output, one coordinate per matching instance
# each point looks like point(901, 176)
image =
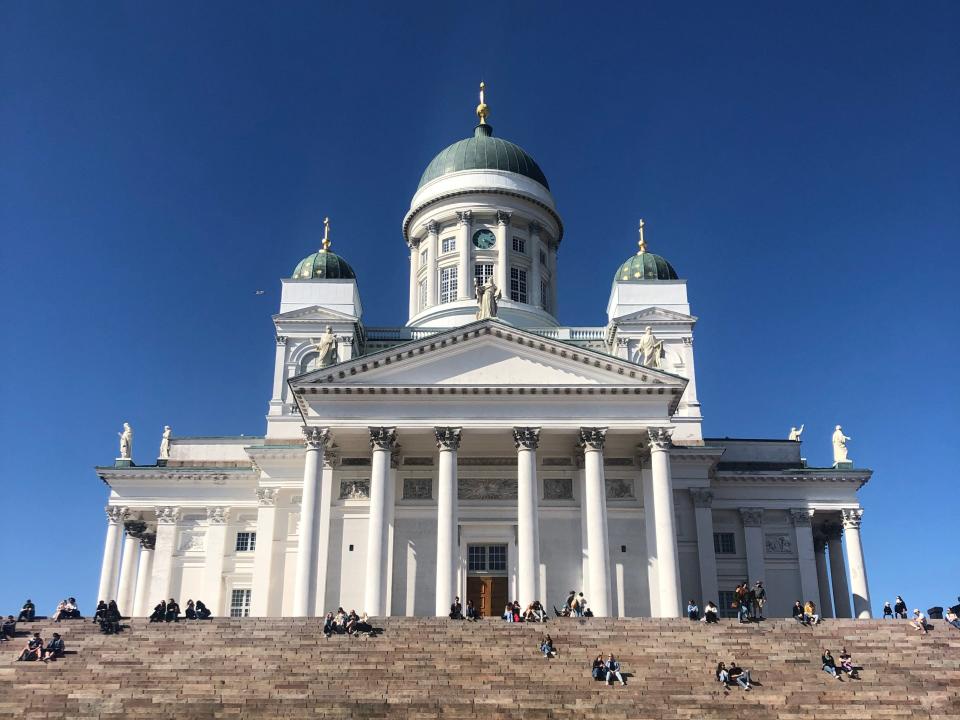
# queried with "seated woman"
point(722, 674)
point(110, 619)
point(472, 613)
point(829, 665)
point(599, 672)
point(508, 612)
point(28, 612)
point(846, 664)
point(159, 612)
point(693, 610)
point(352, 621)
point(173, 611)
point(190, 613)
point(810, 613)
point(60, 611)
point(73, 611)
point(798, 613)
point(203, 612)
point(328, 625)
point(742, 677)
point(547, 648)
point(55, 649)
point(710, 613)
point(101, 608)
point(363, 626)
point(952, 619)
point(33, 649)
point(613, 670)
point(8, 629)
point(340, 620)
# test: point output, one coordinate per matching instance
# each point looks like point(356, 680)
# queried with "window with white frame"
point(448, 245)
point(518, 285)
point(423, 257)
point(246, 542)
point(482, 272)
point(448, 284)
point(240, 602)
point(422, 293)
point(520, 245)
point(724, 543)
point(487, 558)
point(543, 294)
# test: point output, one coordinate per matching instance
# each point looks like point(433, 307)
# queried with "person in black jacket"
point(900, 609)
point(110, 619)
point(190, 613)
point(54, 649)
point(159, 612)
point(33, 649)
point(27, 612)
point(456, 609)
point(830, 665)
point(203, 612)
point(173, 611)
point(798, 613)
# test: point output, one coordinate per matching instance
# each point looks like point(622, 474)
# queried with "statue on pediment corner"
point(840, 447)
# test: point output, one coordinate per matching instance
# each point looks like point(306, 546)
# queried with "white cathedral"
point(482, 450)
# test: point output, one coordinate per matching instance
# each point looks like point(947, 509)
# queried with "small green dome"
point(483, 152)
point(323, 265)
point(645, 266)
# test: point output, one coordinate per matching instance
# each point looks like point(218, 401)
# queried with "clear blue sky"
point(160, 162)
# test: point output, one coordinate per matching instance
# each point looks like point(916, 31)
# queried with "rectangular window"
point(423, 294)
point(448, 245)
point(543, 258)
point(423, 258)
point(497, 558)
point(518, 285)
point(246, 542)
point(543, 295)
point(724, 544)
point(726, 600)
point(448, 284)
point(239, 603)
point(519, 245)
point(482, 272)
point(477, 558)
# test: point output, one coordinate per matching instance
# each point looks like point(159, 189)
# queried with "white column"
point(823, 580)
point(382, 440)
point(668, 560)
point(536, 275)
point(595, 506)
point(414, 276)
point(526, 440)
point(650, 535)
point(141, 597)
point(703, 512)
point(464, 244)
point(448, 443)
point(323, 528)
point(752, 518)
point(852, 518)
point(279, 369)
point(168, 519)
point(504, 248)
point(838, 572)
point(305, 580)
point(809, 583)
point(218, 519)
point(109, 570)
point(432, 229)
point(552, 260)
point(262, 603)
point(391, 501)
point(128, 574)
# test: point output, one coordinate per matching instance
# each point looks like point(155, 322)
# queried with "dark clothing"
point(54, 649)
point(159, 613)
point(27, 612)
point(33, 650)
point(472, 613)
point(173, 613)
point(456, 611)
point(202, 611)
point(599, 670)
point(190, 613)
point(8, 629)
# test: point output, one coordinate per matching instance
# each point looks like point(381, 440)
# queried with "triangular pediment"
point(314, 313)
point(654, 315)
point(489, 354)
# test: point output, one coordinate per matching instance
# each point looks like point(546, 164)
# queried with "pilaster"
point(703, 513)
point(752, 518)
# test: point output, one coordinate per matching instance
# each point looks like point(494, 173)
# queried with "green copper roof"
point(483, 152)
point(323, 265)
point(645, 266)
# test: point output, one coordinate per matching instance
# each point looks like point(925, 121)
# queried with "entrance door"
point(488, 593)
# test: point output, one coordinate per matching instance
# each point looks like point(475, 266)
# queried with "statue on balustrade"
point(840, 447)
point(488, 295)
point(795, 433)
point(165, 443)
point(126, 442)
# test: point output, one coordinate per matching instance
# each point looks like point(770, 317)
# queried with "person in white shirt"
point(919, 621)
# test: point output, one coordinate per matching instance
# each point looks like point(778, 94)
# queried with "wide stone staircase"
point(426, 668)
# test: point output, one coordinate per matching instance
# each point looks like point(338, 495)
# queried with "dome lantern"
point(324, 264)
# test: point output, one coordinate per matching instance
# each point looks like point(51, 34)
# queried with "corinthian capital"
point(168, 515)
point(266, 497)
point(465, 217)
point(852, 518)
point(800, 517)
point(592, 438)
point(432, 227)
point(702, 497)
point(526, 438)
point(218, 515)
point(383, 438)
point(752, 517)
point(534, 227)
point(661, 438)
point(503, 217)
point(116, 514)
point(315, 438)
point(448, 438)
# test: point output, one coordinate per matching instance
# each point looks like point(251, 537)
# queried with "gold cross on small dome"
point(643, 243)
point(326, 234)
point(482, 109)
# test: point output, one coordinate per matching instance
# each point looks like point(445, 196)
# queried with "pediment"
point(489, 354)
point(315, 313)
point(654, 315)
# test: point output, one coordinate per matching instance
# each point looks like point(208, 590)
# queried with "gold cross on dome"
point(326, 234)
point(643, 243)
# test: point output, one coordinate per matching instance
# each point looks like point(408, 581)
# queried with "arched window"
point(309, 362)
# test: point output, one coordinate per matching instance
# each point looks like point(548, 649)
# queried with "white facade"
point(501, 458)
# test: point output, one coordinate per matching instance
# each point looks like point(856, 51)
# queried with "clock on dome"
point(484, 239)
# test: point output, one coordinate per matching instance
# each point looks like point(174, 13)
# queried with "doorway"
point(487, 581)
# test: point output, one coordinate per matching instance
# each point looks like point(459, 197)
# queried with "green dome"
point(645, 266)
point(323, 265)
point(483, 152)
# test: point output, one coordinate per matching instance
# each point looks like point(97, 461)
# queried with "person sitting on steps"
point(710, 613)
point(741, 676)
point(810, 613)
point(456, 609)
point(55, 649)
point(328, 625)
point(919, 621)
point(613, 670)
point(203, 612)
point(900, 609)
point(951, 618)
point(723, 675)
point(190, 613)
point(798, 614)
point(8, 629)
point(846, 664)
point(352, 620)
point(472, 613)
point(693, 610)
point(28, 612)
point(110, 619)
point(173, 611)
point(33, 649)
point(97, 614)
point(159, 612)
point(829, 665)
point(599, 670)
point(887, 610)
point(547, 648)
point(363, 626)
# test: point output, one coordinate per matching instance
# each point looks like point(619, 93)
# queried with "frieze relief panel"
point(778, 544)
point(487, 489)
point(619, 489)
point(558, 488)
point(354, 489)
point(417, 489)
point(192, 541)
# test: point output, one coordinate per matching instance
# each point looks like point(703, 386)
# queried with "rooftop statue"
point(126, 442)
point(487, 296)
point(651, 349)
point(165, 443)
point(840, 447)
point(795, 433)
point(327, 348)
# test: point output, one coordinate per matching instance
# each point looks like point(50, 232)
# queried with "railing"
point(381, 335)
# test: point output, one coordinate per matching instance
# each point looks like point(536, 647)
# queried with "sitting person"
point(580, 608)
point(456, 609)
point(517, 613)
point(190, 613)
point(547, 648)
point(722, 674)
point(59, 612)
point(585, 610)
point(352, 620)
point(710, 613)
point(110, 619)
point(919, 621)
point(829, 665)
point(508, 612)
point(159, 612)
point(951, 618)
point(54, 649)
point(693, 610)
point(599, 670)
point(741, 676)
point(900, 609)
point(33, 649)
point(101, 608)
point(846, 664)
point(72, 610)
point(810, 613)
point(339, 620)
point(173, 611)
point(887, 610)
point(8, 629)
point(613, 670)
point(328, 625)
point(363, 626)
point(798, 613)
point(28, 612)
point(472, 613)
point(203, 612)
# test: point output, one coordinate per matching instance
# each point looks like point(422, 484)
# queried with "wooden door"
point(489, 594)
